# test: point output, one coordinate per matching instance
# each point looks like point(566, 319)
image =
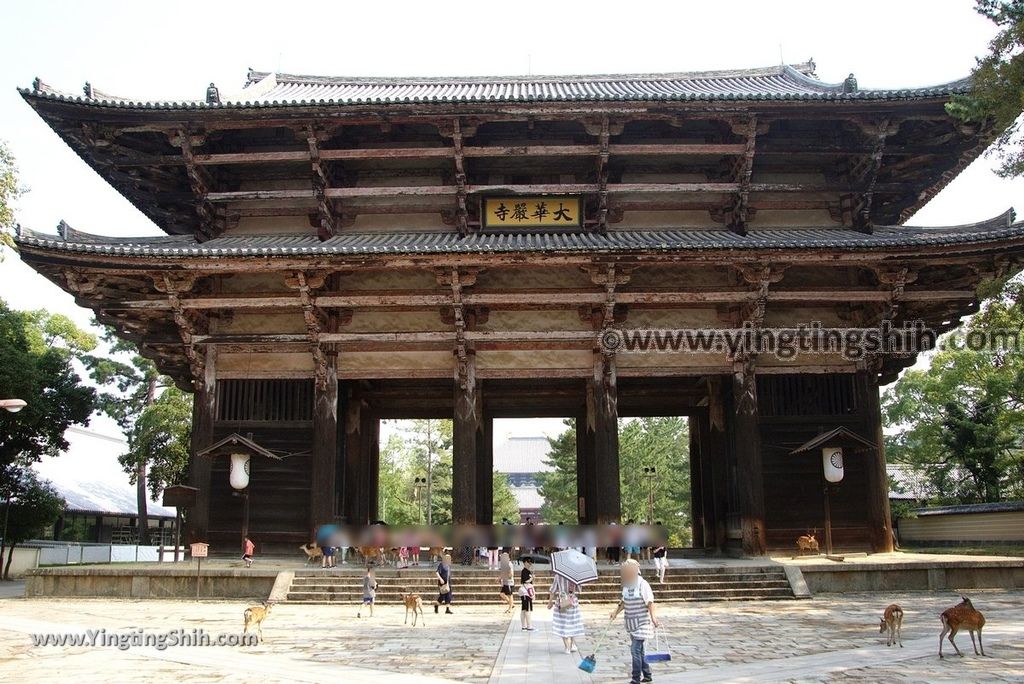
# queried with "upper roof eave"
point(784, 83)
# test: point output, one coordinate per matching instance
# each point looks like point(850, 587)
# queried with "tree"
point(9, 191)
point(661, 443)
point(36, 353)
point(996, 97)
point(157, 430)
point(961, 421)
point(558, 483)
point(505, 505)
point(31, 504)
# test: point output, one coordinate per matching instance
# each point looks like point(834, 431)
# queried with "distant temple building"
point(338, 251)
point(521, 460)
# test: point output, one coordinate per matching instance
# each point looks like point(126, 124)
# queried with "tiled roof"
point(450, 242)
point(522, 454)
point(263, 89)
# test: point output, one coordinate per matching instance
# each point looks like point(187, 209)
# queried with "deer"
point(962, 616)
point(807, 542)
point(254, 617)
point(892, 620)
point(414, 603)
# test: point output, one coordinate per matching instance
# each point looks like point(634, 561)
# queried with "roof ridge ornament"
point(90, 93)
point(850, 84)
point(212, 94)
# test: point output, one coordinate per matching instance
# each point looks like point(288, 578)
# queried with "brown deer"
point(962, 616)
point(414, 603)
point(807, 542)
point(254, 617)
point(892, 621)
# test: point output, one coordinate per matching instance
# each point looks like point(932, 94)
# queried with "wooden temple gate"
point(342, 251)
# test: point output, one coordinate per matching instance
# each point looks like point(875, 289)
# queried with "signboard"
point(180, 496)
point(544, 211)
point(199, 550)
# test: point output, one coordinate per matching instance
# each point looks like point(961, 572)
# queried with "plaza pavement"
point(826, 639)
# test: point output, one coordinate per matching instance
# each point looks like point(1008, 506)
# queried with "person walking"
point(444, 587)
point(566, 621)
point(369, 591)
point(506, 580)
point(248, 550)
point(527, 592)
point(641, 621)
point(660, 554)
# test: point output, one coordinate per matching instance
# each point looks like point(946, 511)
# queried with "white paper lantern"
point(239, 477)
point(832, 462)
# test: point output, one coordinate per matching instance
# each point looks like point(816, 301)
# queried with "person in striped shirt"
point(641, 620)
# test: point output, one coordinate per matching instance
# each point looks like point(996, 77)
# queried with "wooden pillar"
point(352, 506)
point(603, 438)
point(749, 473)
point(485, 473)
point(204, 407)
point(465, 435)
point(715, 452)
point(878, 512)
point(325, 445)
point(586, 484)
point(370, 433)
point(697, 509)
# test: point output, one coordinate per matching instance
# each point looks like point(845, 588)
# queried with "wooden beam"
point(201, 183)
point(739, 212)
point(328, 222)
point(461, 182)
point(603, 143)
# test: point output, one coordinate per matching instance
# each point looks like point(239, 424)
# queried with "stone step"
point(493, 598)
point(329, 584)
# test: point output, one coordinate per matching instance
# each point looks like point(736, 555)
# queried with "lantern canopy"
point(833, 446)
point(240, 450)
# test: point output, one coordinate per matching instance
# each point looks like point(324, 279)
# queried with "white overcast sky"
point(173, 50)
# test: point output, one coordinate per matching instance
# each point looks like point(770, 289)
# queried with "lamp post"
point(11, 406)
point(418, 484)
point(650, 472)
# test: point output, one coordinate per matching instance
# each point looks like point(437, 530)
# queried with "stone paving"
point(827, 639)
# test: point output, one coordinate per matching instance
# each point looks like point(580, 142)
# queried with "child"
point(369, 591)
point(638, 602)
point(403, 557)
point(506, 581)
point(248, 548)
point(526, 595)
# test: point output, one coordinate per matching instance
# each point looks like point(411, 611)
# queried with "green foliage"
point(36, 354)
point(160, 438)
point(661, 443)
point(961, 421)
point(505, 505)
point(405, 456)
point(997, 88)
point(9, 192)
point(558, 484)
point(34, 504)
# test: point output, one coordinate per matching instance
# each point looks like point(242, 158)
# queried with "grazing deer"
point(892, 621)
point(962, 616)
point(254, 617)
point(312, 551)
point(414, 603)
point(807, 542)
point(372, 555)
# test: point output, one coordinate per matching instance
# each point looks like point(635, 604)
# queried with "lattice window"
point(264, 400)
point(823, 394)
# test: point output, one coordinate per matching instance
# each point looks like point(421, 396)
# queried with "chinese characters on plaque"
point(555, 211)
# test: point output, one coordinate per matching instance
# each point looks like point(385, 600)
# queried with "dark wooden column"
point(485, 473)
point(204, 408)
point(325, 444)
point(586, 483)
point(747, 446)
point(878, 512)
point(714, 451)
point(353, 494)
point(698, 516)
point(602, 430)
point(465, 435)
point(370, 433)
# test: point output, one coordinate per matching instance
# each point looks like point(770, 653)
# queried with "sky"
point(149, 50)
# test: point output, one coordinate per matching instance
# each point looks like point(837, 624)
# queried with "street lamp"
point(418, 484)
point(650, 472)
point(13, 405)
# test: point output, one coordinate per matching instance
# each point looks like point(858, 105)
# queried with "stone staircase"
point(480, 586)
